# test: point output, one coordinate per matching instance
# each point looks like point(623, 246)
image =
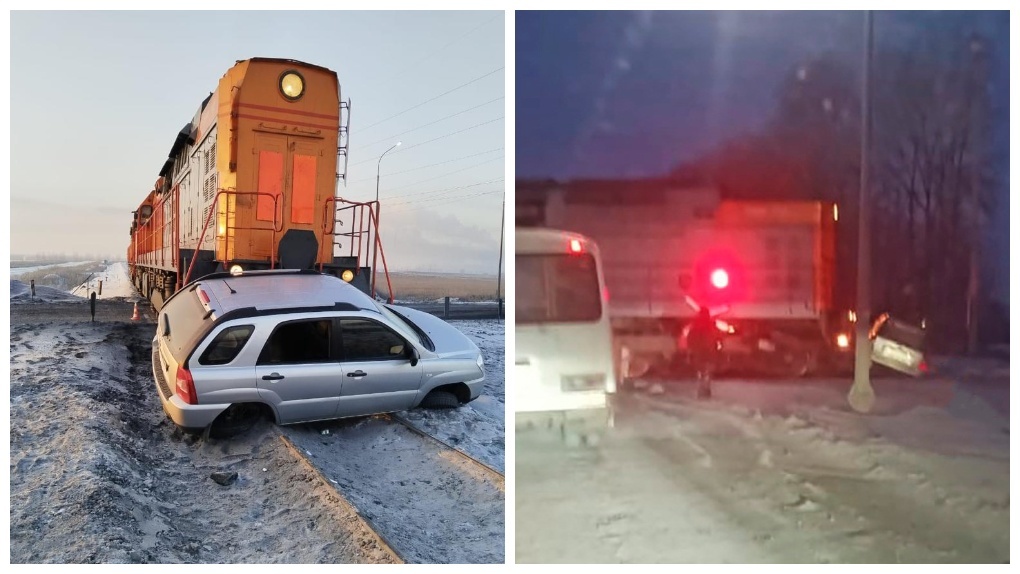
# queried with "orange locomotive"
point(250, 183)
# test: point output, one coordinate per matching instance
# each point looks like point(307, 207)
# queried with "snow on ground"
point(19, 271)
point(478, 427)
point(116, 283)
point(99, 474)
point(432, 508)
point(22, 293)
point(775, 472)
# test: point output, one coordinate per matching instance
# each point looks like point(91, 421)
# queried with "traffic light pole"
point(862, 395)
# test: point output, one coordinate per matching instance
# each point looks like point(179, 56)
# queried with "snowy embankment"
point(116, 283)
point(19, 271)
point(477, 428)
point(98, 473)
point(777, 472)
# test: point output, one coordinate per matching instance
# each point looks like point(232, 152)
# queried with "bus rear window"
point(555, 288)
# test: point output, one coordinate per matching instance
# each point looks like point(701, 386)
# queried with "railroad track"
point(493, 473)
point(425, 500)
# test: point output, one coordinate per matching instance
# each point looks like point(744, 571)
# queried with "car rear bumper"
point(189, 417)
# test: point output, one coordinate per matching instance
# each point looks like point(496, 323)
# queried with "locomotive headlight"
point(236, 270)
point(292, 85)
point(347, 275)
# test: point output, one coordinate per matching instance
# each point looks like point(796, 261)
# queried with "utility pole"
point(499, 270)
point(375, 236)
point(862, 395)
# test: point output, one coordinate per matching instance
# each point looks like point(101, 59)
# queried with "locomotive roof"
point(287, 61)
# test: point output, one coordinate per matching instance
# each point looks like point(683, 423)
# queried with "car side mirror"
point(414, 357)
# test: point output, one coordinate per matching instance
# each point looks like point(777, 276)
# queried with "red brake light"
point(720, 279)
point(203, 296)
point(186, 386)
point(575, 246)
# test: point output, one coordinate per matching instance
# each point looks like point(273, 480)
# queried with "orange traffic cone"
point(135, 317)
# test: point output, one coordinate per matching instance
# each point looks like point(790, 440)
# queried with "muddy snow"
point(775, 472)
point(99, 474)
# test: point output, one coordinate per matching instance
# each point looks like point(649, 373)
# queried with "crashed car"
point(300, 346)
point(898, 346)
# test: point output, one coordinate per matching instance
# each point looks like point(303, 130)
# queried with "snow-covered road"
point(775, 472)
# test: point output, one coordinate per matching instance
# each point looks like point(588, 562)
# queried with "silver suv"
point(300, 346)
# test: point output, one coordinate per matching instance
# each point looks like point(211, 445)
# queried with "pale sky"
point(98, 97)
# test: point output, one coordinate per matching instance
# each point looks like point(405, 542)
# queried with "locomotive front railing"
point(227, 228)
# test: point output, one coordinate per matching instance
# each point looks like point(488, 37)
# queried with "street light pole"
point(375, 236)
point(499, 271)
point(862, 395)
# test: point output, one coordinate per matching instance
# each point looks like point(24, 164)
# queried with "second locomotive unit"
point(250, 184)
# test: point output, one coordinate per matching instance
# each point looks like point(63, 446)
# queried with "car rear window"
point(187, 323)
point(227, 344)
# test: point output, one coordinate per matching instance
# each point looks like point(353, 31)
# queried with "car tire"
point(236, 420)
point(440, 400)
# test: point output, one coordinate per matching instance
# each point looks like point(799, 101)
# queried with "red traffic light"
point(720, 279)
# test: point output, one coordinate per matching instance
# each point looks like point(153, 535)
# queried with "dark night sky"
point(625, 94)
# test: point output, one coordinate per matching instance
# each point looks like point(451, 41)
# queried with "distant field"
point(65, 277)
point(422, 286)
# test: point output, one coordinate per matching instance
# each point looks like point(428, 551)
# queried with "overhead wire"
point(401, 208)
point(442, 191)
point(390, 138)
point(432, 164)
point(469, 128)
point(432, 99)
point(440, 49)
point(420, 181)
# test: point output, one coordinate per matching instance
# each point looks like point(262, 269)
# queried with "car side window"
point(226, 346)
point(365, 340)
point(298, 342)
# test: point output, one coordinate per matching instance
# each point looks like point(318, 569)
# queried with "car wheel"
point(237, 419)
point(440, 400)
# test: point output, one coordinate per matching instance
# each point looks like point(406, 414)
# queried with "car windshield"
point(407, 327)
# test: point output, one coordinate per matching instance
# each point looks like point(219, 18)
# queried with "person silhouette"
point(703, 341)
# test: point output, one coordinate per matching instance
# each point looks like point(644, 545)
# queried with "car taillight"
point(186, 386)
point(923, 367)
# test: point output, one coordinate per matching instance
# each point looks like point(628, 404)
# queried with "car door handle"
point(357, 374)
point(272, 377)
